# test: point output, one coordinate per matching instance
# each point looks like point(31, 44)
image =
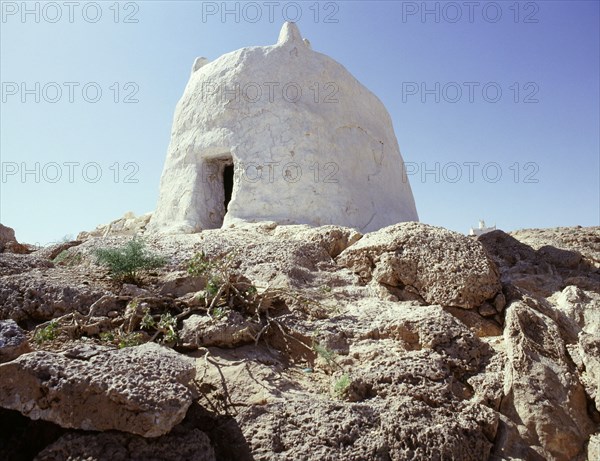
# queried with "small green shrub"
point(327, 354)
point(148, 321)
point(126, 263)
point(224, 284)
point(200, 264)
point(48, 333)
point(218, 312)
point(342, 385)
point(130, 340)
point(107, 336)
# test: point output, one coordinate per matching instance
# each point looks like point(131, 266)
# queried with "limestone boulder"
point(7, 234)
point(593, 451)
point(334, 239)
point(13, 341)
point(530, 261)
point(264, 258)
point(180, 283)
point(179, 445)
point(141, 390)
point(39, 296)
point(129, 225)
point(544, 402)
point(9, 243)
point(229, 330)
point(589, 353)
point(572, 243)
point(407, 426)
point(440, 266)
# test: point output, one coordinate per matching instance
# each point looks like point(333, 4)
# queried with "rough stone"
point(181, 283)
point(487, 310)
point(482, 327)
point(9, 244)
point(129, 225)
point(11, 264)
point(594, 447)
point(13, 341)
point(441, 266)
point(338, 372)
point(193, 445)
point(334, 239)
point(275, 146)
point(142, 390)
point(42, 296)
point(7, 234)
point(231, 330)
point(574, 241)
point(53, 251)
point(589, 350)
point(544, 401)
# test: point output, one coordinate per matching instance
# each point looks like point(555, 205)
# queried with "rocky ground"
point(409, 343)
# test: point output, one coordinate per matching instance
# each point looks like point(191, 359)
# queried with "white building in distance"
point(482, 229)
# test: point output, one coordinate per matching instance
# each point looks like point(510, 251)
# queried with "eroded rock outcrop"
point(13, 341)
point(176, 446)
point(9, 243)
point(39, 296)
point(439, 266)
point(543, 396)
point(330, 364)
point(142, 390)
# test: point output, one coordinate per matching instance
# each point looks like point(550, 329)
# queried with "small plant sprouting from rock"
point(166, 325)
point(342, 385)
point(130, 340)
point(127, 262)
point(148, 321)
point(200, 264)
point(225, 287)
point(48, 333)
point(326, 354)
point(218, 312)
point(122, 339)
point(107, 336)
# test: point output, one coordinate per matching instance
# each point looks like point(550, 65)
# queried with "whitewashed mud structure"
point(280, 133)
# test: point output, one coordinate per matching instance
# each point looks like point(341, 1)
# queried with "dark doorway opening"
point(227, 184)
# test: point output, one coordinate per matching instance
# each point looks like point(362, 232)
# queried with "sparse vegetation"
point(218, 312)
point(47, 333)
point(342, 385)
point(130, 340)
point(167, 326)
point(200, 264)
point(327, 354)
point(122, 339)
point(67, 258)
point(107, 336)
point(127, 262)
point(225, 287)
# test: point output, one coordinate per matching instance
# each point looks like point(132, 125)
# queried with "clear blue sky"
point(542, 134)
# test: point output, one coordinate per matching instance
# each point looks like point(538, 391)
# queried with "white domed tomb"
point(280, 133)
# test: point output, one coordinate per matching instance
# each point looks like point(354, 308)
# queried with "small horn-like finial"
point(289, 33)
